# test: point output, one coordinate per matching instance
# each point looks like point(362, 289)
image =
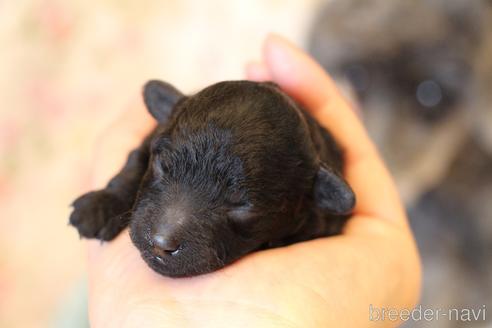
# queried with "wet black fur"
point(232, 169)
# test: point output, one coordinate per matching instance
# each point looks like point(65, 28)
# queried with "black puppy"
point(235, 168)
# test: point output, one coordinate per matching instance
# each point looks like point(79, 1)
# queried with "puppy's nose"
point(165, 244)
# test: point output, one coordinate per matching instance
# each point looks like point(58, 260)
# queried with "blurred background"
point(420, 71)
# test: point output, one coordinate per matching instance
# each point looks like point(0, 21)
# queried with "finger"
point(306, 81)
point(257, 71)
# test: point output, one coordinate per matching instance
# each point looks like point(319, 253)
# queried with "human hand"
point(319, 283)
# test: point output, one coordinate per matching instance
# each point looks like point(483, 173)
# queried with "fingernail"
point(278, 54)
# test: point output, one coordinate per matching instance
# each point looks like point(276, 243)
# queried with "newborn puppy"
point(234, 168)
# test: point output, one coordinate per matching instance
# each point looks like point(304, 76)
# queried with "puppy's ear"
point(160, 98)
point(332, 193)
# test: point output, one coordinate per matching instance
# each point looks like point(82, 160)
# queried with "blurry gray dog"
point(421, 73)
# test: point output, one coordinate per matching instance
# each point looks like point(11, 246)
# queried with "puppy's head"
point(410, 65)
point(232, 169)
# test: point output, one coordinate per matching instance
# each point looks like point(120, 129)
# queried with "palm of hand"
point(263, 289)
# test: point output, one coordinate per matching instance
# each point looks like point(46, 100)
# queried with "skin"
point(319, 283)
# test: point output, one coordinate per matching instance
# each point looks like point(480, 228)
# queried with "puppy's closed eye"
point(160, 168)
point(236, 197)
point(160, 144)
point(160, 151)
point(242, 213)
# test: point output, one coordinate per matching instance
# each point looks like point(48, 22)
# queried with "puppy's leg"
point(103, 214)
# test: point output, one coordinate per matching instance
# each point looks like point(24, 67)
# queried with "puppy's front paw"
point(99, 214)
